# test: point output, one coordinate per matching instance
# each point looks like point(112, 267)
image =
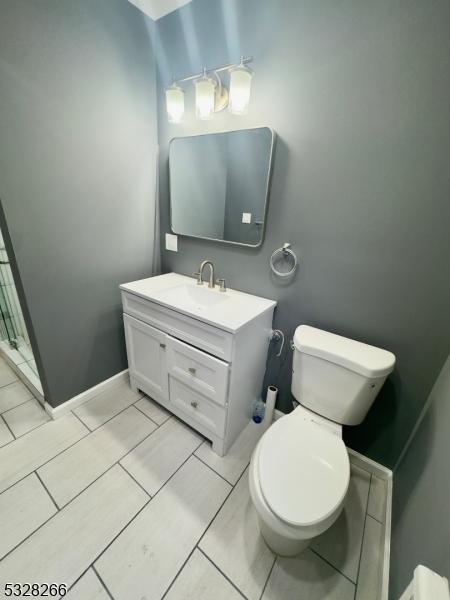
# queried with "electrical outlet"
point(171, 242)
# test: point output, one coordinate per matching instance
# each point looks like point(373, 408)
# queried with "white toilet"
point(300, 470)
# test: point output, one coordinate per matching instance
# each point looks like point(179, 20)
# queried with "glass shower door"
point(14, 340)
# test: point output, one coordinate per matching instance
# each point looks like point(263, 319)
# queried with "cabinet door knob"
point(162, 345)
point(194, 404)
point(192, 371)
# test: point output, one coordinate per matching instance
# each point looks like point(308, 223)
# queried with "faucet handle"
point(199, 277)
point(223, 287)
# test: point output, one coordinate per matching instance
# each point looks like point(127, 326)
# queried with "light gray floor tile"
point(369, 580)
point(160, 455)
point(307, 577)
point(377, 498)
point(5, 435)
point(232, 465)
point(26, 417)
point(88, 587)
point(153, 410)
point(64, 547)
point(341, 543)
point(23, 508)
point(12, 395)
point(144, 559)
point(70, 472)
point(106, 405)
point(200, 580)
point(234, 544)
point(29, 452)
point(7, 375)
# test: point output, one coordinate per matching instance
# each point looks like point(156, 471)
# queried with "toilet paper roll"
point(271, 397)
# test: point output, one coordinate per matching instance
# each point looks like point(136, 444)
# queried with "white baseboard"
point(65, 407)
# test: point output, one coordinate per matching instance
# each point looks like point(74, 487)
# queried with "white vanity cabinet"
point(200, 354)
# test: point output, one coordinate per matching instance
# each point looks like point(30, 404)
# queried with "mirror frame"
point(267, 194)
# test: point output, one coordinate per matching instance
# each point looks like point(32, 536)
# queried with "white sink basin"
point(228, 310)
point(193, 296)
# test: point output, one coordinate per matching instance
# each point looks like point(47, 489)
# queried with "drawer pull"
point(194, 404)
point(162, 345)
point(192, 370)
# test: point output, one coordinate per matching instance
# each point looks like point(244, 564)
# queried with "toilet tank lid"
point(366, 360)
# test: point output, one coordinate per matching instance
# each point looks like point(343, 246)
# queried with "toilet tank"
point(336, 377)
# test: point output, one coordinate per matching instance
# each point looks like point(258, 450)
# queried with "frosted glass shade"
point(174, 104)
point(204, 98)
point(240, 87)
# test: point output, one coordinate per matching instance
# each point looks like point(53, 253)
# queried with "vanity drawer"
point(200, 371)
point(204, 336)
point(197, 407)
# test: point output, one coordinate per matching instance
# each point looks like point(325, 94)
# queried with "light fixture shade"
point(204, 98)
point(174, 103)
point(240, 86)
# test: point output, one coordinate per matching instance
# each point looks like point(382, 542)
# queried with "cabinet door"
point(146, 350)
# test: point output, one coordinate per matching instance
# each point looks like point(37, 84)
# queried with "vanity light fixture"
point(175, 103)
point(205, 91)
point(210, 94)
point(240, 86)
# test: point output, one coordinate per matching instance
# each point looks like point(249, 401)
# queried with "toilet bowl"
point(299, 475)
point(300, 470)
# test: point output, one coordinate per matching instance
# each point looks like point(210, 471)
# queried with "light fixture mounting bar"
point(244, 61)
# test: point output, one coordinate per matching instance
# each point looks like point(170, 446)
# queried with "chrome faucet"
point(211, 283)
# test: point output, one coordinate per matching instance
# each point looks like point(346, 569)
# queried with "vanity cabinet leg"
point(133, 384)
point(218, 447)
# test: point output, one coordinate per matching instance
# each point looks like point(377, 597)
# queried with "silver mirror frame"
point(266, 199)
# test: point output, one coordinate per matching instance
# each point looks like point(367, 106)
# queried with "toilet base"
point(279, 544)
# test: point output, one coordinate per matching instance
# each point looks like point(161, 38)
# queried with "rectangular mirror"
point(219, 185)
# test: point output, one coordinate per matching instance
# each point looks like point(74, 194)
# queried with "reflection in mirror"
point(219, 185)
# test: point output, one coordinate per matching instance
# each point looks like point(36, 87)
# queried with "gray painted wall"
point(421, 523)
point(358, 93)
point(77, 175)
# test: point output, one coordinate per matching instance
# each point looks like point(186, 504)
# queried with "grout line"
point(375, 519)
point(44, 463)
point(200, 538)
point(77, 417)
point(11, 550)
point(214, 471)
point(141, 509)
point(331, 565)
point(362, 538)
point(11, 382)
point(269, 574)
point(46, 489)
point(65, 506)
point(35, 400)
point(102, 582)
point(78, 579)
point(9, 428)
point(117, 462)
point(224, 574)
point(145, 414)
point(134, 479)
point(107, 420)
point(21, 403)
point(87, 434)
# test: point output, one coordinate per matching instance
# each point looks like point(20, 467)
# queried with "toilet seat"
point(303, 470)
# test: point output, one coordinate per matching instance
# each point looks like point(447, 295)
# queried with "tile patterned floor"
point(121, 500)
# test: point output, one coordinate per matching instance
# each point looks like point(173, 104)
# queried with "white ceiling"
point(158, 8)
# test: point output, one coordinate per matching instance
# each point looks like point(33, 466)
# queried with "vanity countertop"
point(230, 310)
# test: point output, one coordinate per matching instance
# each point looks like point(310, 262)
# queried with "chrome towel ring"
point(287, 253)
